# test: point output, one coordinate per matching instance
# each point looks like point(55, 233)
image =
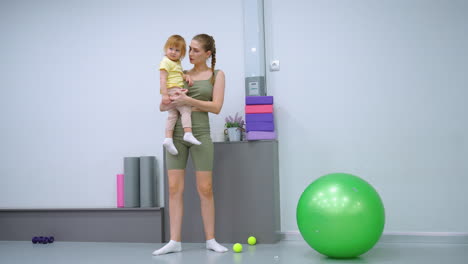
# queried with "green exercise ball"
point(340, 215)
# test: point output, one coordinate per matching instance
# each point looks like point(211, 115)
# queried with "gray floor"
point(290, 252)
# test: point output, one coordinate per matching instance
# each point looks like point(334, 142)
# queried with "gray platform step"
point(143, 225)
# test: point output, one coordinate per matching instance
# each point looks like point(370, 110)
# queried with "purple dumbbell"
point(43, 240)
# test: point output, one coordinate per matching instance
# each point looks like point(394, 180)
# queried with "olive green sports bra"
point(201, 89)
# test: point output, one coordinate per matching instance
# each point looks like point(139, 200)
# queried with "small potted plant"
point(234, 127)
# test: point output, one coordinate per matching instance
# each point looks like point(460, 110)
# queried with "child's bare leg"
point(168, 142)
point(186, 112)
point(170, 133)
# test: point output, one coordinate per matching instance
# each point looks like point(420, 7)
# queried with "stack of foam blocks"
point(259, 118)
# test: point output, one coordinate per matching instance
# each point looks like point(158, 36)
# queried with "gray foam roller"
point(148, 181)
point(132, 181)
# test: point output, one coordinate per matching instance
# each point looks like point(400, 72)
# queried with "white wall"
point(374, 88)
point(79, 90)
point(377, 89)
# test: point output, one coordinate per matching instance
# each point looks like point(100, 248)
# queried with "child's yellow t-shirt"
point(174, 72)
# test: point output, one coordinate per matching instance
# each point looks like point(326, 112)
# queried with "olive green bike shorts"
point(202, 155)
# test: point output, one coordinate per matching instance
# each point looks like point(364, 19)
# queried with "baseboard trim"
point(404, 237)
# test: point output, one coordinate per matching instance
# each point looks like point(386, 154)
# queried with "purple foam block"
point(259, 100)
point(259, 135)
point(250, 118)
point(260, 126)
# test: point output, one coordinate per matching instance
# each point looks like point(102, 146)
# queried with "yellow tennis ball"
point(252, 240)
point(237, 248)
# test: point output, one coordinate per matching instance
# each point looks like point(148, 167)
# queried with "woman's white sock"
point(213, 245)
point(172, 246)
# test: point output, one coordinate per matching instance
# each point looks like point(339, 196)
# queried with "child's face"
point(173, 53)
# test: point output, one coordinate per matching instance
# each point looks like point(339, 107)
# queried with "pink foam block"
point(259, 135)
point(120, 190)
point(258, 109)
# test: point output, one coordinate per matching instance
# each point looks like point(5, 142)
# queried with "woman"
point(205, 95)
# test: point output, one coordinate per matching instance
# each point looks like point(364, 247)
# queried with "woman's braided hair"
point(208, 44)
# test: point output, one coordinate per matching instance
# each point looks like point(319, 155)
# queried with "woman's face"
point(197, 54)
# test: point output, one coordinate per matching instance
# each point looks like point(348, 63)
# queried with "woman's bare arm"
point(213, 106)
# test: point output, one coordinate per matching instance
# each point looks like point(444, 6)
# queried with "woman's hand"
point(180, 98)
point(177, 99)
point(172, 97)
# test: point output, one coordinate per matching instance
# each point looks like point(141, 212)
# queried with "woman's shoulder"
point(218, 71)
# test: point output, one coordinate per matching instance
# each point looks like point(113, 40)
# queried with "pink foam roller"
point(120, 190)
point(258, 109)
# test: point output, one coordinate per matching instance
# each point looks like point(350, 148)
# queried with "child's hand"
point(165, 99)
point(188, 79)
point(184, 91)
